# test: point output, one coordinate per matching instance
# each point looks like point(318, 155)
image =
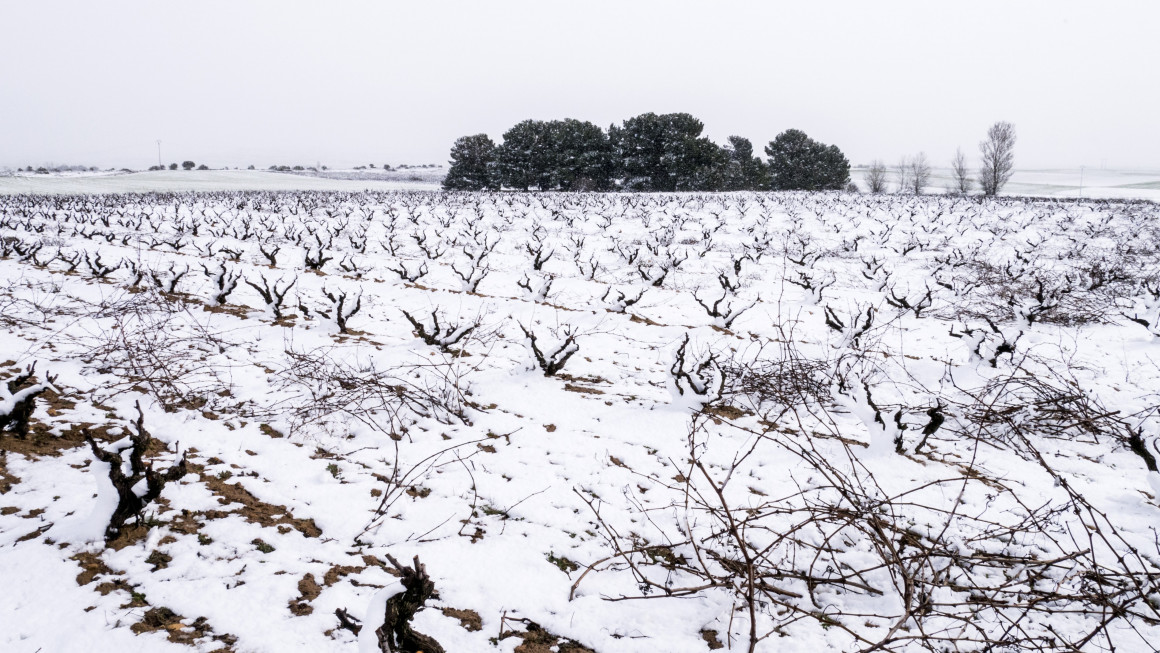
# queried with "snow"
point(91, 527)
point(33, 617)
point(292, 424)
point(164, 181)
point(1092, 183)
point(368, 641)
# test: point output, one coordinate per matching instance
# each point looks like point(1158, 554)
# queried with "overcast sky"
point(236, 82)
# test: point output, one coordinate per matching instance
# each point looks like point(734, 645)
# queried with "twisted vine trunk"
point(396, 634)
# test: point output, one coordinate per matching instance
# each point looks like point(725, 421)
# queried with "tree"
point(998, 157)
point(797, 162)
point(173, 166)
point(581, 155)
point(902, 170)
point(875, 177)
point(665, 153)
point(188, 165)
point(472, 164)
point(703, 167)
point(742, 170)
point(919, 173)
point(525, 158)
point(959, 173)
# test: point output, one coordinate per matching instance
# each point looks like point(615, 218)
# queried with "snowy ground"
point(179, 181)
point(1108, 184)
point(788, 421)
point(1120, 184)
point(1069, 182)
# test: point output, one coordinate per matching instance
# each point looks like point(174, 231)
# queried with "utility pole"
point(159, 154)
point(1081, 181)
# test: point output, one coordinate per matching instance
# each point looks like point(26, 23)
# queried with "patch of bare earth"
point(537, 640)
point(253, 509)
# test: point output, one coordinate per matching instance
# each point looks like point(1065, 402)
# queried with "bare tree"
point(963, 182)
point(919, 173)
point(902, 169)
point(875, 176)
point(998, 154)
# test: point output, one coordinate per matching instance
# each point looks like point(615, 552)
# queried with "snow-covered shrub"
point(225, 280)
point(621, 301)
point(537, 291)
point(343, 307)
point(475, 269)
point(18, 400)
point(136, 482)
point(553, 361)
point(387, 626)
point(695, 376)
point(725, 309)
point(444, 335)
point(274, 296)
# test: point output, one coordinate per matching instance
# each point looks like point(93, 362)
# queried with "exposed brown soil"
point(252, 509)
point(710, 637)
point(582, 390)
point(163, 619)
point(726, 411)
point(92, 567)
point(7, 479)
point(468, 619)
point(42, 442)
point(538, 640)
point(308, 590)
point(337, 572)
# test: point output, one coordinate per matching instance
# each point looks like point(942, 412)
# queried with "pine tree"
point(742, 170)
point(797, 162)
point(527, 156)
point(582, 156)
point(665, 153)
point(472, 164)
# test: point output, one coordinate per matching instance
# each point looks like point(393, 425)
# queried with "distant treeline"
point(650, 152)
point(44, 170)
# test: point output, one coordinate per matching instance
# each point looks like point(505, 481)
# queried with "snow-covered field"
point(1119, 184)
point(1069, 183)
point(1072, 182)
point(774, 422)
point(180, 181)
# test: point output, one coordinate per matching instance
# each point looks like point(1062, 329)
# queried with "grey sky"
point(234, 83)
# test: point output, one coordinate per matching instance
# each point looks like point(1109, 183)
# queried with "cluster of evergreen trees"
point(649, 152)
